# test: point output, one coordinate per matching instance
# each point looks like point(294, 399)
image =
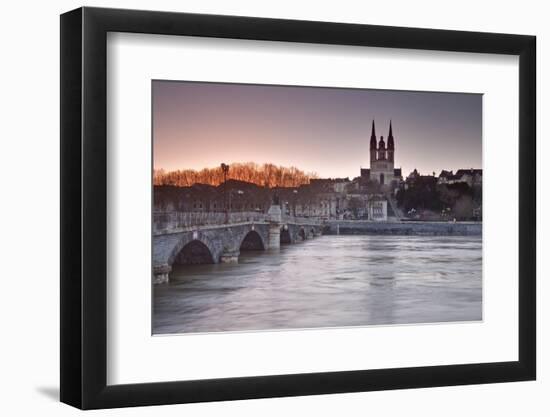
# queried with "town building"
point(472, 177)
point(377, 208)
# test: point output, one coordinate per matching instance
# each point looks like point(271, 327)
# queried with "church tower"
point(391, 146)
point(382, 161)
point(373, 144)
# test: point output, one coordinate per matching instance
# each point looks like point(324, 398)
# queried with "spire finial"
point(390, 139)
point(373, 137)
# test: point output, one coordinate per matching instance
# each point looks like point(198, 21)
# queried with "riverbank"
point(358, 227)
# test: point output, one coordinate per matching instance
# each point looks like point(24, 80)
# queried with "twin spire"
point(391, 144)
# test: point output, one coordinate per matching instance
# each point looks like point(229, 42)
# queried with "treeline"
point(456, 200)
point(267, 175)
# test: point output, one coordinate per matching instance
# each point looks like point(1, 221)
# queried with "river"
point(329, 281)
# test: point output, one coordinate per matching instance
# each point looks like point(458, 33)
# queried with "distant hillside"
point(268, 175)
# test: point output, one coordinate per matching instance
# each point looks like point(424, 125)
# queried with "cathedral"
point(382, 158)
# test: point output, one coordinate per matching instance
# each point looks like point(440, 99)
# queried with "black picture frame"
point(84, 207)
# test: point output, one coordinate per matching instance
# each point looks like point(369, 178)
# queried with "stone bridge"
point(213, 243)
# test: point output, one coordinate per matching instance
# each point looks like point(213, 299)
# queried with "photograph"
point(281, 207)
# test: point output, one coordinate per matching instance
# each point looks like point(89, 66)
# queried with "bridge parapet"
point(177, 221)
point(311, 221)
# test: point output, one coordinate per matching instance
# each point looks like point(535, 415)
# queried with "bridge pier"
point(230, 257)
point(161, 274)
point(274, 236)
point(274, 217)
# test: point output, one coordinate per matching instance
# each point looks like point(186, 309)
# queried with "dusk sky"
point(323, 130)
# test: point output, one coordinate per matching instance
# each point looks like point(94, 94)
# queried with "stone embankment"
point(354, 227)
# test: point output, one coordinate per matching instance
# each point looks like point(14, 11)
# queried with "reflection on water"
point(330, 281)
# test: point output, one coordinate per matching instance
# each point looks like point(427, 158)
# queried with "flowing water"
point(329, 281)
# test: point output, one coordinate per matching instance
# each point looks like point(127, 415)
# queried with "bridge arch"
point(194, 250)
point(252, 240)
point(285, 235)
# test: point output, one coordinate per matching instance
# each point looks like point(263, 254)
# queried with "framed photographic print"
point(257, 207)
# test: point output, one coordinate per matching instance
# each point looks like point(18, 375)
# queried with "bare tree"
point(268, 175)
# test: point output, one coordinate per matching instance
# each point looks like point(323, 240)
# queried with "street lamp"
point(241, 205)
point(225, 170)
